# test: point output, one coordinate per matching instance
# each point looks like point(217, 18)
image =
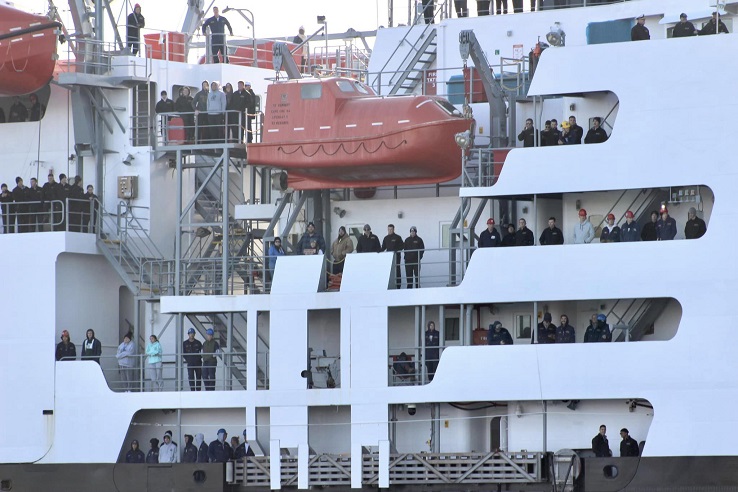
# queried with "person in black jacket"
point(37, 111)
point(497, 335)
point(551, 235)
point(628, 446)
point(191, 349)
point(244, 449)
point(164, 105)
point(714, 26)
point(509, 238)
point(684, 28)
point(546, 331)
point(20, 208)
point(393, 242)
point(490, 238)
point(555, 135)
point(630, 232)
point(233, 108)
point(368, 242)
point(648, 233)
point(575, 131)
point(189, 455)
point(135, 455)
point(77, 204)
point(217, 451)
point(35, 220)
point(135, 22)
point(432, 353)
point(89, 213)
point(250, 112)
point(200, 103)
point(414, 249)
point(565, 333)
point(600, 444)
point(18, 111)
point(202, 448)
point(596, 134)
point(6, 200)
point(62, 193)
point(610, 233)
point(65, 350)
point(217, 24)
point(523, 236)
point(92, 349)
point(639, 32)
point(153, 455)
point(695, 227)
point(48, 195)
point(527, 136)
point(184, 105)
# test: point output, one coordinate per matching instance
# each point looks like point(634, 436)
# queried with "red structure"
point(27, 51)
point(336, 133)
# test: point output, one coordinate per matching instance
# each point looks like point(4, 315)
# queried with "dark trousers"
point(189, 123)
point(208, 374)
point(483, 7)
point(21, 218)
point(518, 5)
point(412, 274)
point(218, 45)
point(194, 374)
point(338, 267)
point(216, 130)
point(398, 271)
point(431, 365)
point(428, 7)
point(35, 220)
point(202, 128)
point(233, 128)
point(249, 132)
point(7, 227)
point(500, 7)
point(462, 8)
point(57, 217)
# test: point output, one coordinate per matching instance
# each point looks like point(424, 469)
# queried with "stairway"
point(414, 66)
point(142, 130)
point(636, 317)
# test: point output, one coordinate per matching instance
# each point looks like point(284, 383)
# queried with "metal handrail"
point(202, 130)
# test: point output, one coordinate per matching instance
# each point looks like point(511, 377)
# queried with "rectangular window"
point(522, 326)
point(451, 329)
point(311, 91)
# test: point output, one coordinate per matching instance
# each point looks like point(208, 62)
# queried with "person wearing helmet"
point(497, 335)
point(611, 232)
point(630, 232)
point(546, 331)
point(191, 349)
point(551, 235)
point(666, 227)
point(583, 231)
point(490, 238)
point(598, 330)
point(217, 452)
point(695, 227)
point(648, 233)
point(209, 361)
point(523, 236)
point(65, 350)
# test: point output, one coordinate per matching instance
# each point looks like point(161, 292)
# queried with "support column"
point(303, 468)
point(275, 465)
point(384, 461)
point(225, 168)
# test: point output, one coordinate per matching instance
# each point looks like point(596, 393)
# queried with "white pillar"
point(384, 461)
point(357, 460)
point(275, 465)
point(303, 471)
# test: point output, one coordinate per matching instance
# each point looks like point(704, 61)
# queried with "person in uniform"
point(428, 11)
point(528, 135)
point(164, 105)
point(18, 111)
point(414, 249)
point(191, 349)
point(523, 236)
point(189, 455)
point(65, 350)
point(509, 238)
point(209, 361)
point(217, 24)
point(551, 235)
point(134, 23)
point(20, 208)
point(462, 8)
point(639, 32)
point(628, 446)
point(490, 238)
point(368, 242)
point(135, 455)
point(684, 28)
point(555, 135)
point(611, 232)
point(598, 330)
point(244, 449)
point(714, 26)
point(89, 215)
point(217, 451)
point(153, 455)
point(575, 131)
point(35, 207)
point(497, 335)
point(483, 7)
point(546, 331)
point(250, 112)
point(596, 134)
point(6, 200)
point(630, 232)
point(77, 204)
point(202, 448)
point(600, 444)
point(695, 227)
point(583, 231)
point(546, 134)
point(49, 193)
point(565, 333)
point(432, 341)
point(184, 105)
point(393, 242)
point(649, 230)
point(200, 103)
point(666, 227)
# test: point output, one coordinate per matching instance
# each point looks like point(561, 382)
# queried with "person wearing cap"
point(217, 450)
point(598, 330)
point(202, 448)
point(126, 356)
point(583, 231)
point(153, 455)
point(341, 247)
point(524, 236)
point(610, 233)
point(684, 28)
point(497, 335)
point(630, 232)
point(628, 446)
point(243, 449)
point(600, 444)
point(596, 134)
point(393, 242)
point(191, 349)
point(551, 235)
point(189, 455)
point(490, 238)
point(209, 361)
point(368, 242)
point(414, 249)
point(217, 24)
point(695, 227)
point(666, 227)
point(309, 235)
point(65, 350)
point(168, 451)
point(299, 39)
point(135, 455)
point(648, 233)
point(134, 23)
point(154, 353)
point(275, 251)
point(565, 333)
point(639, 32)
point(528, 135)
point(713, 26)
point(546, 331)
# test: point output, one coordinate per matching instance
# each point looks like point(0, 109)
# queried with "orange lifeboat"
point(27, 51)
point(337, 133)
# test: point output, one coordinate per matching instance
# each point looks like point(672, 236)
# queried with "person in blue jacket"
point(546, 330)
point(565, 332)
point(630, 231)
point(497, 335)
point(598, 330)
point(217, 452)
point(153, 455)
point(666, 227)
point(490, 238)
point(135, 455)
point(275, 250)
point(202, 448)
point(217, 24)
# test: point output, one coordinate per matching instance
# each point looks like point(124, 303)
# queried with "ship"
point(379, 369)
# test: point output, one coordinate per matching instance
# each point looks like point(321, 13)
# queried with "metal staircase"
point(419, 59)
point(635, 317)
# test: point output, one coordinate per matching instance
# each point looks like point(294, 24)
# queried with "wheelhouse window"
point(311, 91)
point(345, 86)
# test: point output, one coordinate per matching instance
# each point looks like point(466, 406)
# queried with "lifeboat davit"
point(27, 51)
point(337, 133)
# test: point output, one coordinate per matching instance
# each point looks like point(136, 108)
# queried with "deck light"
point(463, 139)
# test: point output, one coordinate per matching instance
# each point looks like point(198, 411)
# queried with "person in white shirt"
point(583, 231)
point(168, 451)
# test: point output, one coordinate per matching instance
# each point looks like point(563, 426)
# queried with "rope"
point(341, 146)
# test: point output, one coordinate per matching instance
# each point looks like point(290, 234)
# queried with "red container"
point(166, 46)
point(156, 46)
point(175, 131)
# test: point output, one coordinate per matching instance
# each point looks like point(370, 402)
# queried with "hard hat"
point(664, 210)
point(191, 331)
point(628, 214)
point(582, 212)
point(490, 221)
point(565, 124)
point(221, 431)
point(210, 331)
point(610, 216)
point(601, 317)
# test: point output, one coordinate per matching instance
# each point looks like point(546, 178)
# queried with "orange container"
point(156, 50)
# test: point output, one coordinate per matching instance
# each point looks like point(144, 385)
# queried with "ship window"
point(345, 85)
point(311, 91)
point(31, 107)
point(363, 88)
point(448, 107)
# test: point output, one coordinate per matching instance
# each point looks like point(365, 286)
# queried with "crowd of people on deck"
point(19, 112)
point(569, 134)
point(195, 450)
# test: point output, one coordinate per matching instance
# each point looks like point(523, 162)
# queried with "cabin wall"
point(330, 429)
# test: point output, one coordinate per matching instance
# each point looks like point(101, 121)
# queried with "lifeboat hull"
point(27, 51)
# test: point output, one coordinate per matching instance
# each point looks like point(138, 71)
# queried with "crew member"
point(630, 232)
point(414, 248)
point(600, 444)
point(628, 446)
point(497, 335)
point(217, 24)
point(135, 22)
point(191, 349)
point(551, 235)
point(368, 242)
point(490, 238)
point(611, 232)
point(639, 32)
point(666, 226)
point(393, 242)
point(684, 28)
point(695, 227)
point(596, 134)
point(523, 236)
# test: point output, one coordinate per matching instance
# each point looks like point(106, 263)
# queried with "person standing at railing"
point(432, 354)
point(202, 448)
point(209, 361)
point(62, 193)
point(217, 452)
point(189, 455)
point(135, 455)
point(135, 22)
point(524, 236)
point(309, 235)
point(89, 216)
point(414, 248)
point(393, 242)
point(275, 251)
point(18, 111)
point(153, 351)
point(65, 350)
point(232, 116)
point(583, 232)
point(77, 204)
point(216, 112)
point(490, 238)
point(341, 247)
point(241, 97)
point(191, 349)
point(126, 362)
point(462, 8)
point(217, 24)
point(244, 449)
point(153, 455)
point(610, 233)
point(429, 8)
point(368, 242)
point(551, 235)
point(20, 208)
point(299, 39)
point(35, 221)
point(168, 452)
point(37, 110)
point(201, 108)
point(48, 195)
point(250, 112)
point(6, 200)
point(91, 347)
point(184, 105)
point(497, 335)
point(483, 7)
